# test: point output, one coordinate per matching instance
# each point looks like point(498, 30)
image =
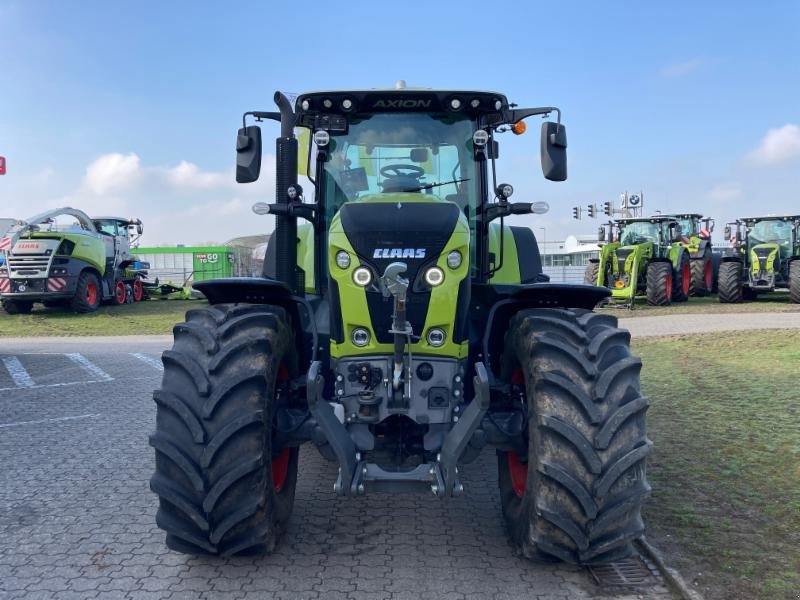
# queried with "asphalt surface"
point(707, 323)
point(77, 516)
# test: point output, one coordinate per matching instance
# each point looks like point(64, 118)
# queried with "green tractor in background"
point(696, 232)
point(766, 257)
point(401, 329)
point(642, 256)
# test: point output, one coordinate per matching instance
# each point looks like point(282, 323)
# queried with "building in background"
point(565, 261)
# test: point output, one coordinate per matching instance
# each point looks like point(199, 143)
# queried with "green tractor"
point(65, 258)
point(696, 232)
point(642, 255)
point(766, 257)
point(401, 329)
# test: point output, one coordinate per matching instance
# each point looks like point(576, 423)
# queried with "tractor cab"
point(661, 231)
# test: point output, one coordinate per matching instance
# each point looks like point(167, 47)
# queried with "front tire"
point(577, 494)
point(682, 279)
point(87, 293)
point(591, 273)
point(730, 288)
point(659, 284)
point(702, 275)
point(17, 307)
point(794, 281)
point(222, 486)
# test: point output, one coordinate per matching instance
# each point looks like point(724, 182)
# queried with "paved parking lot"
point(77, 517)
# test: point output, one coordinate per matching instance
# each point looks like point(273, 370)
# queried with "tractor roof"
point(688, 215)
point(772, 218)
point(126, 220)
point(653, 219)
point(404, 99)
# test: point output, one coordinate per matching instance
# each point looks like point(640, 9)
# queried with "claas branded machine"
point(403, 327)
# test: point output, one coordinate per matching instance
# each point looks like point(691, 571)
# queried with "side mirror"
point(710, 226)
point(601, 234)
point(727, 233)
point(139, 228)
point(554, 151)
point(248, 154)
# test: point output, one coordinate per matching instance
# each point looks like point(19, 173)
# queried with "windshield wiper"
point(428, 186)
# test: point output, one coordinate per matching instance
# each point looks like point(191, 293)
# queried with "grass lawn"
point(150, 317)
point(776, 302)
point(725, 470)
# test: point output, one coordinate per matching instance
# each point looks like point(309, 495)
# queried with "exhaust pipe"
point(285, 176)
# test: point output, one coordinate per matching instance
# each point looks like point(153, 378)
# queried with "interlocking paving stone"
point(77, 516)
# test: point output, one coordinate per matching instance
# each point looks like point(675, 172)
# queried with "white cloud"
point(779, 145)
point(683, 68)
point(724, 192)
point(112, 172)
point(189, 175)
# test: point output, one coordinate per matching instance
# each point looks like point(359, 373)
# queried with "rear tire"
point(794, 281)
point(702, 275)
point(659, 284)
point(577, 494)
point(87, 293)
point(17, 307)
point(120, 293)
point(682, 279)
point(591, 273)
point(222, 487)
point(730, 288)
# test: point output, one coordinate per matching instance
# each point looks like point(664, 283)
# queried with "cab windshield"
point(772, 232)
point(402, 152)
point(687, 227)
point(639, 232)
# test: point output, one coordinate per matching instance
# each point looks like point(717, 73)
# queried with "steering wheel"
point(397, 171)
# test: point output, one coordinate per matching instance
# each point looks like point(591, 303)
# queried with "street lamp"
point(544, 244)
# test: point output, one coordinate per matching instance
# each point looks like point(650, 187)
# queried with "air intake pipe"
point(285, 176)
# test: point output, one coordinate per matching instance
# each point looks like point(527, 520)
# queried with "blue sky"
point(132, 107)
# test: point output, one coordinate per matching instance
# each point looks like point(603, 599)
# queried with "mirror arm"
point(260, 116)
point(504, 209)
point(295, 209)
point(517, 114)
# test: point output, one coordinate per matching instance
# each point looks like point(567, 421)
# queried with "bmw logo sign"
point(633, 200)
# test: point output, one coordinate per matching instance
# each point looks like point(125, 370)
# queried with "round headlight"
point(342, 259)
point(362, 276)
point(360, 337)
point(436, 337)
point(327, 103)
point(480, 138)
point(434, 276)
point(474, 103)
point(305, 105)
point(455, 104)
point(454, 259)
point(347, 104)
point(321, 138)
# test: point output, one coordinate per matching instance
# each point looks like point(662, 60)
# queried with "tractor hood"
point(418, 230)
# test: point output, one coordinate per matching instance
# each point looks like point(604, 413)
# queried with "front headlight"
point(342, 259)
point(454, 259)
point(434, 276)
point(362, 276)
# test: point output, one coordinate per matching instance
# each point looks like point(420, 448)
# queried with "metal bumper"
point(356, 474)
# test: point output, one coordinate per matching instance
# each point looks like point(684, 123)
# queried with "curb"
point(673, 578)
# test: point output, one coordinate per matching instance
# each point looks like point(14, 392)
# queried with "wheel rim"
point(518, 471)
point(669, 286)
point(119, 292)
point(280, 462)
point(91, 293)
point(708, 275)
point(138, 291)
point(280, 469)
point(685, 278)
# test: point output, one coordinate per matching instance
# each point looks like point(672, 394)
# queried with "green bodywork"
point(353, 299)
point(87, 248)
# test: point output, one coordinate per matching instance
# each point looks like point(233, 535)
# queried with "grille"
point(29, 265)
